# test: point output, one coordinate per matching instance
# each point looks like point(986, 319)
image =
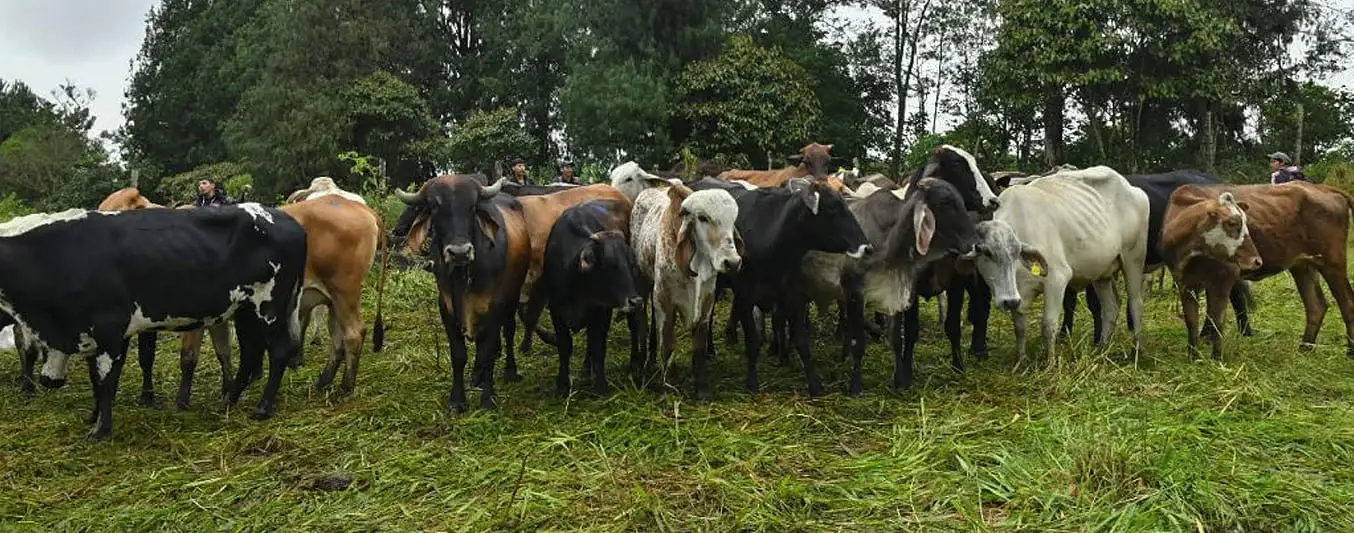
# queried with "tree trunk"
point(1097, 127)
point(1210, 141)
point(899, 28)
point(940, 84)
point(1054, 104)
point(1297, 148)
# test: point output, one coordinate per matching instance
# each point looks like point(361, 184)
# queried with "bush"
point(183, 187)
point(11, 206)
point(1332, 172)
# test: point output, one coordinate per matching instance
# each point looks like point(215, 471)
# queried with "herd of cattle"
point(655, 248)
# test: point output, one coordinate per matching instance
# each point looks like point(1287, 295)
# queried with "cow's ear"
point(418, 235)
point(1244, 206)
point(811, 198)
point(485, 219)
point(1033, 260)
point(924, 226)
point(587, 258)
point(686, 248)
point(738, 241)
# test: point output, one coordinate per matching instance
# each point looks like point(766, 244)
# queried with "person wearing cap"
point(567, 175)
point(519, 172)
point(1283, 169)
point(211, 194)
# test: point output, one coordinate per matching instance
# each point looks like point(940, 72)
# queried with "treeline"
point(271, 92)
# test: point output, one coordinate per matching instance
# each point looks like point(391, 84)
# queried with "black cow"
point(480, 250)
point(1159, 188)
point(590, 270)
point(779, 226)
point(84, 282)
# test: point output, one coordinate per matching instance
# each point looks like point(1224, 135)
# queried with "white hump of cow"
point(257, 211)
point(26, 223)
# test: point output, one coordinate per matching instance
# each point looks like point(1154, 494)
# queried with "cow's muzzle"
point(1254, 264)
point(458, 254)
point(730, 266)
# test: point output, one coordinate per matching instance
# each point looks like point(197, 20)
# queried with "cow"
point(1159, 188)
point(126, 199)
point(81, 283)
point(631, 179)
point(481, 250)
point(1207, 245)
point(780, 226)
point(1301, 228)
point(589, 270)
point(812, 160)
point(1082, 226)
point(323, 186)
point(540, 212)
point(908, 230)
point(682, 241)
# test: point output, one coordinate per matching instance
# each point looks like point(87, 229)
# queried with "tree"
point(747, 101)
point(608, 108)
point(486, 137)
point(1326, 122)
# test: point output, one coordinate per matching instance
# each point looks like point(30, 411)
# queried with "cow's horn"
point(410, 198)
point(490, 191)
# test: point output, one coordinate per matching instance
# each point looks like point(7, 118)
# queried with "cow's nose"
point(51, 383)
point(458, 254)
point(732, 265)
point(1009, 304)
point(1256, 263)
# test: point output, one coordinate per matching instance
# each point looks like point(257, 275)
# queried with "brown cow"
point(813, 161)
point(126, 199)
point(343, 238)
point(1301, 228)
point(1206, 243)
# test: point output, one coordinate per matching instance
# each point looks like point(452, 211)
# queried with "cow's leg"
point(145, 356)
point(487, 345)
point(598, 329)
point(28, 357)
point(1189, 308)
point(668, 323)
point(940, 306)
point(1070, 309)
point(1055, 287)
point(638, 341)
point(509, 334)
point(531, 317)
point(335, 351)
point(456, 346)
point(1109, 311)
point(564, 344)
point(311, 302)
point(904, 326)
point(190, 347)
point(1313, 301)
point(779, 346)
point(1020, 323)
point(700, 361)
point(954, 326)
point(282, 349)
point(249, 334)
point(316, 316)
point(731, 329)
point(796, 313)
point(742, 311)
point(979, 309)
point(1217, 307)
point(220, 335)
point(855, 317)
point(1133, 288)
point(1338, 281)
point(1241, 297)
point(105, 371)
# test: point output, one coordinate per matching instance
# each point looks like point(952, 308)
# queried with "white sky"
point(92, 43)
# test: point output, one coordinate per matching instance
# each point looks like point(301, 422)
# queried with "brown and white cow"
point(1207, 246)
point(1300, 228)
point(813, 162)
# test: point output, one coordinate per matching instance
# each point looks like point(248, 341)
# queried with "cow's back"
point(1082, 218)
point(1286, 222)
point(337, 228)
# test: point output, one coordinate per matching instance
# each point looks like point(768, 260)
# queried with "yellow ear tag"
point(1037, 270)
point(841, 169)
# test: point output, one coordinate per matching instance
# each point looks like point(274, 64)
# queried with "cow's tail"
point(378, 335)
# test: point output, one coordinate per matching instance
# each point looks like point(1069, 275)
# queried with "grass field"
point(1261, 442)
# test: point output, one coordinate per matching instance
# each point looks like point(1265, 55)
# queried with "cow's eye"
point(703, 219)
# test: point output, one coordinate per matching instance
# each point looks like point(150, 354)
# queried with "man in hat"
point(519, 172)
point(567, 175)
point(1283, 169)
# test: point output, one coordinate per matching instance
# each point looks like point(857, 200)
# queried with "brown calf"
point(126, 199)
point(1207, 245)
point(1301, 228)
point(813, 161)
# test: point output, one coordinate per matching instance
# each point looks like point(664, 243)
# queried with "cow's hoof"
point(182, 404)
point(455, 408)
point(97, 434)
point(754, 387)
point(512, 377)
point(704, 395)
point(147, 399)
point(28, 390)
point(815, 391)
point(979, 354)
point(1248, 331)
point(854, 393)
point(601, 391)
point(261, 414)
point(1306, 347)
point(488, 403)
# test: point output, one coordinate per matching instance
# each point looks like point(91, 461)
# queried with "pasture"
point(1260, 442)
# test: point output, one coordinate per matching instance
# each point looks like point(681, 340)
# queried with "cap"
point(1281, 157)
point(516, 161)
point(566, 163)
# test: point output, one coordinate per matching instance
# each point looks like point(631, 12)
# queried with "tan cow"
point(813, 161)
point(320, 187)
point(1301, 228)
point(126, 199)
point(342, 239)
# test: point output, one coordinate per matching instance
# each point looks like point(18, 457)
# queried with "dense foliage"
point(276, 90)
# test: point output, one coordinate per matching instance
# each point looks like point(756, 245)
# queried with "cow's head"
point(707, 238)
point(958, 168)
point(1224, 235)
point(608, 267)
point(814, 157)
point(940, 224)
point(825, 222)
point(630, 179)
point(1000, 254)
point(460, 216)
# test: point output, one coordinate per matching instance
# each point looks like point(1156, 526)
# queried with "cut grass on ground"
point(1260, 442)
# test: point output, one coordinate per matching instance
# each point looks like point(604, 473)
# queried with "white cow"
point(630, 179)
point(1086, 226)
point(323, 186)
point(683, 240)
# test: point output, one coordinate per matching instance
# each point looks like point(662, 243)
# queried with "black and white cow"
point(779, 226)
point(908, 231)
point(590, 270)
point(1158, 188)
point(82, 283)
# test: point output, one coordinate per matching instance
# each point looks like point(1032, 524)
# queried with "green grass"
point(1261, 442)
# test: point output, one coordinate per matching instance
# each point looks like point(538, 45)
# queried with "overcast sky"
point(92, 43)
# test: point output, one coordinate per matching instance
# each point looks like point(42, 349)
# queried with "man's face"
point(205, 187)
point(1275, 164)
point(519, 169)
point(568, 172)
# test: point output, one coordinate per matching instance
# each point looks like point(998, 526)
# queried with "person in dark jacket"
point(211, 194)
point(519, 172)
point(1283, 169)
point(567, 175)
